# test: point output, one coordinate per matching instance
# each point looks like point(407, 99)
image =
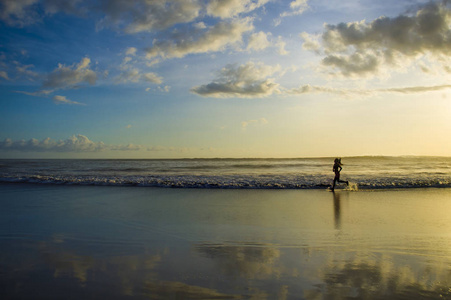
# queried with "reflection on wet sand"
point(275, 271)
point(230, 271)
point(381, 280)
point(337, 210)
point(58, 272)
point(250, 261)
point(189, 244)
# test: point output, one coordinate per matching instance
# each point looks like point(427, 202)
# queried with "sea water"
point(364, 172)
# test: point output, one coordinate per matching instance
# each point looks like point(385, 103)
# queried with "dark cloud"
point(363, 48)
point(18, 12)
point(213, 39)
point(71, 76)
point(249, 80)
point(140, 15)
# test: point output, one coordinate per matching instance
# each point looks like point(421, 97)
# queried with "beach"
point(91, 242)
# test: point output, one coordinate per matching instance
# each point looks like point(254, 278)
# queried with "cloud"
point(297, 7)
point(65, 6)
point(249, 80)
point(214, 39)
point(17, 12)
point(70, 76)
point(129, 147)
point(165, 89)
point(152, 77)
point(355, 64)
point(281, 46)
point(310, 42)
point(4, 75)
point(22, 13)
point(135, 75)
point(231, 8)
point(416, 89)
point(40, 93)
point(131, 51)
point(135, 16)
point(63, 100)
point(258, 41)
point(364, 48)
point(79, 143)
point(23, 70)
point(261, 121)
point(309, 89)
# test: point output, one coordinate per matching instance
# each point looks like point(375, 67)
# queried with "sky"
point(224, 78)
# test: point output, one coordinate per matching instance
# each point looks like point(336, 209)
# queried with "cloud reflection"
point(58, 268)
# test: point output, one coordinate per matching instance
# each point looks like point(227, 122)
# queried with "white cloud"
point(216, 38)
point(131, 51)
point(231, 8)
point(309, 89)
point(79, 143)
point(63, 100)
point(70, 76)
point(258, 41)
point(297, 7)
point(200, 25)
point(365, 48)
point(249, 80)
point(311, 42)
point(281, 46)
point(152, 77)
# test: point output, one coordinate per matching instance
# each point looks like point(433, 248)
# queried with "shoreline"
point(215, 187)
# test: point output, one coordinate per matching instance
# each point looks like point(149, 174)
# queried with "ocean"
point(364, 172)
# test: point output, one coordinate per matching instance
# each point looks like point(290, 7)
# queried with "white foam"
point(352, 186)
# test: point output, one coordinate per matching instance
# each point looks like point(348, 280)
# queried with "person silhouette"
point(337, 169)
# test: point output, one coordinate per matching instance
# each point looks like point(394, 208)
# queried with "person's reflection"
point(337, 211)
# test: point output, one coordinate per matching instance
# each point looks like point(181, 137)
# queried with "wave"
point(228, 182)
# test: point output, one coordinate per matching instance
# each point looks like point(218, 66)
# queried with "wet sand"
point(91, 242)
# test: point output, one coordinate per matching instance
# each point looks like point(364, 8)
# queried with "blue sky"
point(224, 78)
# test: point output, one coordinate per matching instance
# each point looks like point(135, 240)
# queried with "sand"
point(91, 242)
